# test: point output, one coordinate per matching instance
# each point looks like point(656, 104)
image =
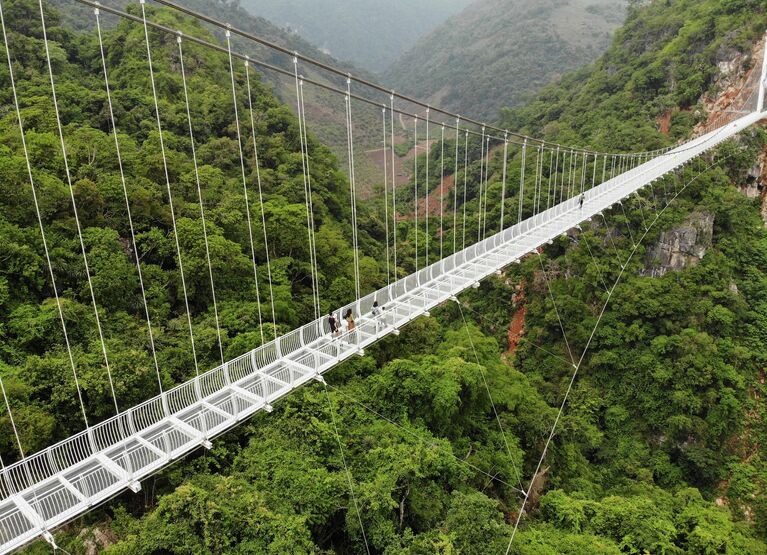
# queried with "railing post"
point(228, 381)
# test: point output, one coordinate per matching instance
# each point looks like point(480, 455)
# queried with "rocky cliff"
point(681, 246)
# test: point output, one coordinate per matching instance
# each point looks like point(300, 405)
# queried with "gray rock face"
point(682, 246)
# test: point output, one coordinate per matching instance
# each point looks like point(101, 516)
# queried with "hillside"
point(498, 53)
point(79, 16)
point(369, 33)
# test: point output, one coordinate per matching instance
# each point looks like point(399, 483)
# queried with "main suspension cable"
point(338, 72)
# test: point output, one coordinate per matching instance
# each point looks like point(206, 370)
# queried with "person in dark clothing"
point(377, 311)
point(580, 202)
point(332, 323)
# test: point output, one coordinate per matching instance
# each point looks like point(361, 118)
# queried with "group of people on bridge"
point(340, 326)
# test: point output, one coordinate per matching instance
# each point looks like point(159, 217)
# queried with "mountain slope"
point(80, 17)
point(369, 33)
point(497, 52)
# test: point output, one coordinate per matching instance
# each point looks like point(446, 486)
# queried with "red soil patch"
point(441, 192)
point(516, 329)
point(664, 122)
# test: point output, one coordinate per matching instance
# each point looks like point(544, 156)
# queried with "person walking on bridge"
point(580, 201)
point(349, 317)
point(377, 311)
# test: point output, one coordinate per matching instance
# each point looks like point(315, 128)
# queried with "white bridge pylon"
point(65, 480)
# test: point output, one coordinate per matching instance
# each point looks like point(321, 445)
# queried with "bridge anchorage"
point(46, 489)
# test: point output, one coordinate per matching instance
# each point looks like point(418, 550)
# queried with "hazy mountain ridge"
point(366, 32)
point(498, 52)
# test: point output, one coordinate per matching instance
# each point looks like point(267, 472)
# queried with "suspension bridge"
point(43, 490)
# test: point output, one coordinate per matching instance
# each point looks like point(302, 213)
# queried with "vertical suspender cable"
point(535, 180)
point(65, 157)
point(386, 194)
point(199, 195)
point(487, 178)
point(167, 184)
point(562, 177)
point(541, 156)
point(594, 176)
point(556, 176)
point(481, 183)
point(260, 196)
point(604, 168)
point(305, 173)
point(393, 184)
point(441, 190)
point(350, 146)
point(455, 185)
point(310, 202)
point(503, 176)
point(426, 207)
point(573, 175)
point(245, 186)
point(522, 181)
point(580, 182)
point(307, 187)
point(465, 184)
point(127, 203)
point(22, 133)
point(415, 184)
point(551, 172)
